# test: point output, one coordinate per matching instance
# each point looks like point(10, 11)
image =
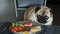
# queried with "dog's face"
point(43, 15)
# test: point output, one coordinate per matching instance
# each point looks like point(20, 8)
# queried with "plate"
point(35, 24)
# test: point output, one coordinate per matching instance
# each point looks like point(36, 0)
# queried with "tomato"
point(11, 28)
point(20, 28)
point(15, 28)
point(28, 24)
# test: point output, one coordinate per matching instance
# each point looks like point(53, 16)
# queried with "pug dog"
point(39, 14)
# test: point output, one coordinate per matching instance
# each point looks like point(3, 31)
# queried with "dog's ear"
point(50, 9)
point(37, 8)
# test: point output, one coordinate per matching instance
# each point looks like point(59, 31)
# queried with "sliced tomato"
point(20, 28)
point(28, 24)
point(11, 28)
point(15, 28)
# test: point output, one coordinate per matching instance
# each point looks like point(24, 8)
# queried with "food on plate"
point(28, 28)
point(16, 27)
point(21, 25)
point(24, 28)
point(13, 24)
point(20, 28)
point(11, 28)
point(25, 32)
point(36, 29)
point(28, 24)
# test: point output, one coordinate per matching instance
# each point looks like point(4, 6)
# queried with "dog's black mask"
point(42, 19)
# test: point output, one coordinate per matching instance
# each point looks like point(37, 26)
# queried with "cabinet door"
point(7, 11)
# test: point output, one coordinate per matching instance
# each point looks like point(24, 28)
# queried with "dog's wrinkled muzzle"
point(42, 19)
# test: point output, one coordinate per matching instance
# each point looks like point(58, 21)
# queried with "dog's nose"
point(45, 17)
point(42, 19)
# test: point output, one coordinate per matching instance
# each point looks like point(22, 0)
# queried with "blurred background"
point(55, 6)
